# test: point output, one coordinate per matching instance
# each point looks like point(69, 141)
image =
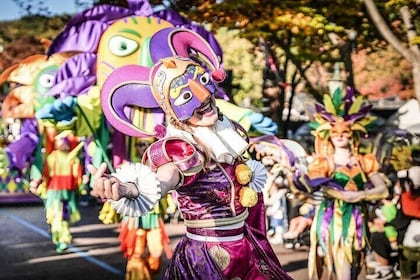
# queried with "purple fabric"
point(76, 75)
point(215, 232)
point(316, 183)
point(141, 7)
point(209, 197)
point(257, 218)
point(326, 220)
point(191, 260)
point(359, 224)
point(249, 260)
point(20, 152)
point(83, 38)
point(101, 13)
point(73, 87)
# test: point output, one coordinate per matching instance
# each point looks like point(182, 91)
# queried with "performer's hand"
point(352, 196)
point(347, 196)
point(104, 185)
point(34, 184)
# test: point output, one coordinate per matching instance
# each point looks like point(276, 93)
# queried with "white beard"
point(222, 140)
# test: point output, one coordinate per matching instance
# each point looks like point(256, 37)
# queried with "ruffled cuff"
point(147, 184)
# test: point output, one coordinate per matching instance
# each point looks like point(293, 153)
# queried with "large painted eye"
point(205, 78)
point(121, 46)
point(46, 80)
point(183, 98)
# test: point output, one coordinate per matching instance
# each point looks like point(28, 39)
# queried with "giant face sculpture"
point(34, 77)
point(127, 42)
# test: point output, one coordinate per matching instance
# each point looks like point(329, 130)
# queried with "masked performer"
point(347, 179)
point(201, 156)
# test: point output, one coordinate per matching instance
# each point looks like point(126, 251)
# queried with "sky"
point(9, 10)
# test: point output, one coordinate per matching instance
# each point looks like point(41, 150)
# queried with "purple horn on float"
point(126, 87)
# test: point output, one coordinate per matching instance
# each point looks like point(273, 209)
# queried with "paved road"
point(28, 253)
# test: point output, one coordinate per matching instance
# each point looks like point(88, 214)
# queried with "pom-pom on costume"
point(219, 194)
point(339, 231)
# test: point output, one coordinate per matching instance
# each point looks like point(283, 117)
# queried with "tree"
point(303, 34)
point(25, 37)
point(409, 16)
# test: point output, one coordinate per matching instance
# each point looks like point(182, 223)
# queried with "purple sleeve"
point(20, 151)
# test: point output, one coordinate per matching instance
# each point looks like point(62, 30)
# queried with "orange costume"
point(62, 176)
point(346, 179)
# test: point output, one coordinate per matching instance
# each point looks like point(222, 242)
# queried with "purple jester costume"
point(223, 229)
point(219, 194)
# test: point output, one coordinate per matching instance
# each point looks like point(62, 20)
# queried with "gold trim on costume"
point(220, 256)
point(217, 222)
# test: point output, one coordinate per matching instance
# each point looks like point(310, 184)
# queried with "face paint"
point(181, 86)
point(341, 128)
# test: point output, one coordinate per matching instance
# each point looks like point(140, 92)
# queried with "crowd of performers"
point(128, 102)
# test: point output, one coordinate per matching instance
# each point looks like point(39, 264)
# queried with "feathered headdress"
point(347, 110)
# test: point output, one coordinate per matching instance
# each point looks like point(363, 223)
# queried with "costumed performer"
point(347, 179)
point(59, 187)
point(201, 156)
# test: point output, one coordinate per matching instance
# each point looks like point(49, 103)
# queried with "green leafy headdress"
point(340, 109)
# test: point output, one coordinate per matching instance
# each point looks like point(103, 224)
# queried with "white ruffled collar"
point(223, 141)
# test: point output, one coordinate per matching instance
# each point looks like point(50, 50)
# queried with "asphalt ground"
point(28, 253)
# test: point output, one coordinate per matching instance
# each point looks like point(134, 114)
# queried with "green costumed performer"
point(347, 179)
point(59, 187)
